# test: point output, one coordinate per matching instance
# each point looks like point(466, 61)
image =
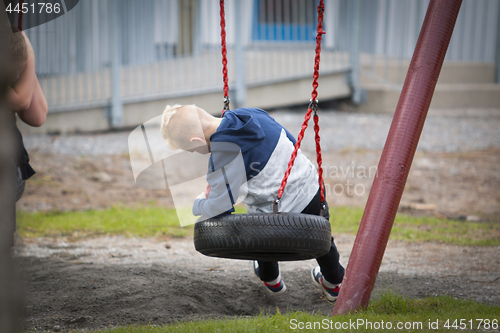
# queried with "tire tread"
point(268, 237)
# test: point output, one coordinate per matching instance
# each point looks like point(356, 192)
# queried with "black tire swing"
point(275, 236)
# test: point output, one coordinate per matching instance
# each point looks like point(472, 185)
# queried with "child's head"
point(18, 54)
point(183, 127)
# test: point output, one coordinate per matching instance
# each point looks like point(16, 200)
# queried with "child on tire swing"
point(265, 147)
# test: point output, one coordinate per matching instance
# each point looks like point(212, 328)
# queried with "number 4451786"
point(471, 324)
point(40, 7)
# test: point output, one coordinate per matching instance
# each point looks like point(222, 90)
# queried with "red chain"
point(224, 56)
point(319, 36)
point(294, 153)
point(313, 105)
point(20, 17)
point(318, 157)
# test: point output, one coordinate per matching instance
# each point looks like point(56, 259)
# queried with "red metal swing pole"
point(397, 156)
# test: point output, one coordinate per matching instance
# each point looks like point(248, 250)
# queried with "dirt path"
point(111, 281)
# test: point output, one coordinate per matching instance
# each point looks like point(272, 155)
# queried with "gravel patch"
point(441, 133)
point(339, 131)
point(477, 263)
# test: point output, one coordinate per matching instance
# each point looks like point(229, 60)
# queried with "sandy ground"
point(110, 281)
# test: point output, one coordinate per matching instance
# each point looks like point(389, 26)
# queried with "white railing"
point(168, 48)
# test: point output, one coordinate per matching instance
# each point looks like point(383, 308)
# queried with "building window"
point(284, 20)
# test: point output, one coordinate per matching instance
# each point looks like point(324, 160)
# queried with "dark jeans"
point(331, 268)
point(20, 184)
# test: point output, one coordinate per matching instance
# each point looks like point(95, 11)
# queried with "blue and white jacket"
point(250, 152)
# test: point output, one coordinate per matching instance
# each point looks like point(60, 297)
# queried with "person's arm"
point(19, 96)
point(226, 177)
point(219, 200)
point(36, 113)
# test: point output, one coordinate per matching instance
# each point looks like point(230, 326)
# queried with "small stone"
point(56, 328)
point(168, 246)
point(101, 177)
point(422, 206)
point(472, 218)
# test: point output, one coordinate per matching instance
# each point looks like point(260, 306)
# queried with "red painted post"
point(397, 156)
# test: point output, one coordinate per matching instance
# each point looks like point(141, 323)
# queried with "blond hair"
point(179, 124)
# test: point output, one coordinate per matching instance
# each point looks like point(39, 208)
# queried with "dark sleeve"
point(226, 175)
point(23, 160)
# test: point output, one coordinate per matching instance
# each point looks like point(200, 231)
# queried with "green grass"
point(145, 221)
point(157, 222)
point(422, 228)
point(417, 314)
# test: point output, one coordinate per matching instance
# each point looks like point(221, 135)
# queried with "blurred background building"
point(117, 63)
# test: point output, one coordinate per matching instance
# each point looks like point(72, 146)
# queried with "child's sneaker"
point(332, 290)
point(276, 287)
